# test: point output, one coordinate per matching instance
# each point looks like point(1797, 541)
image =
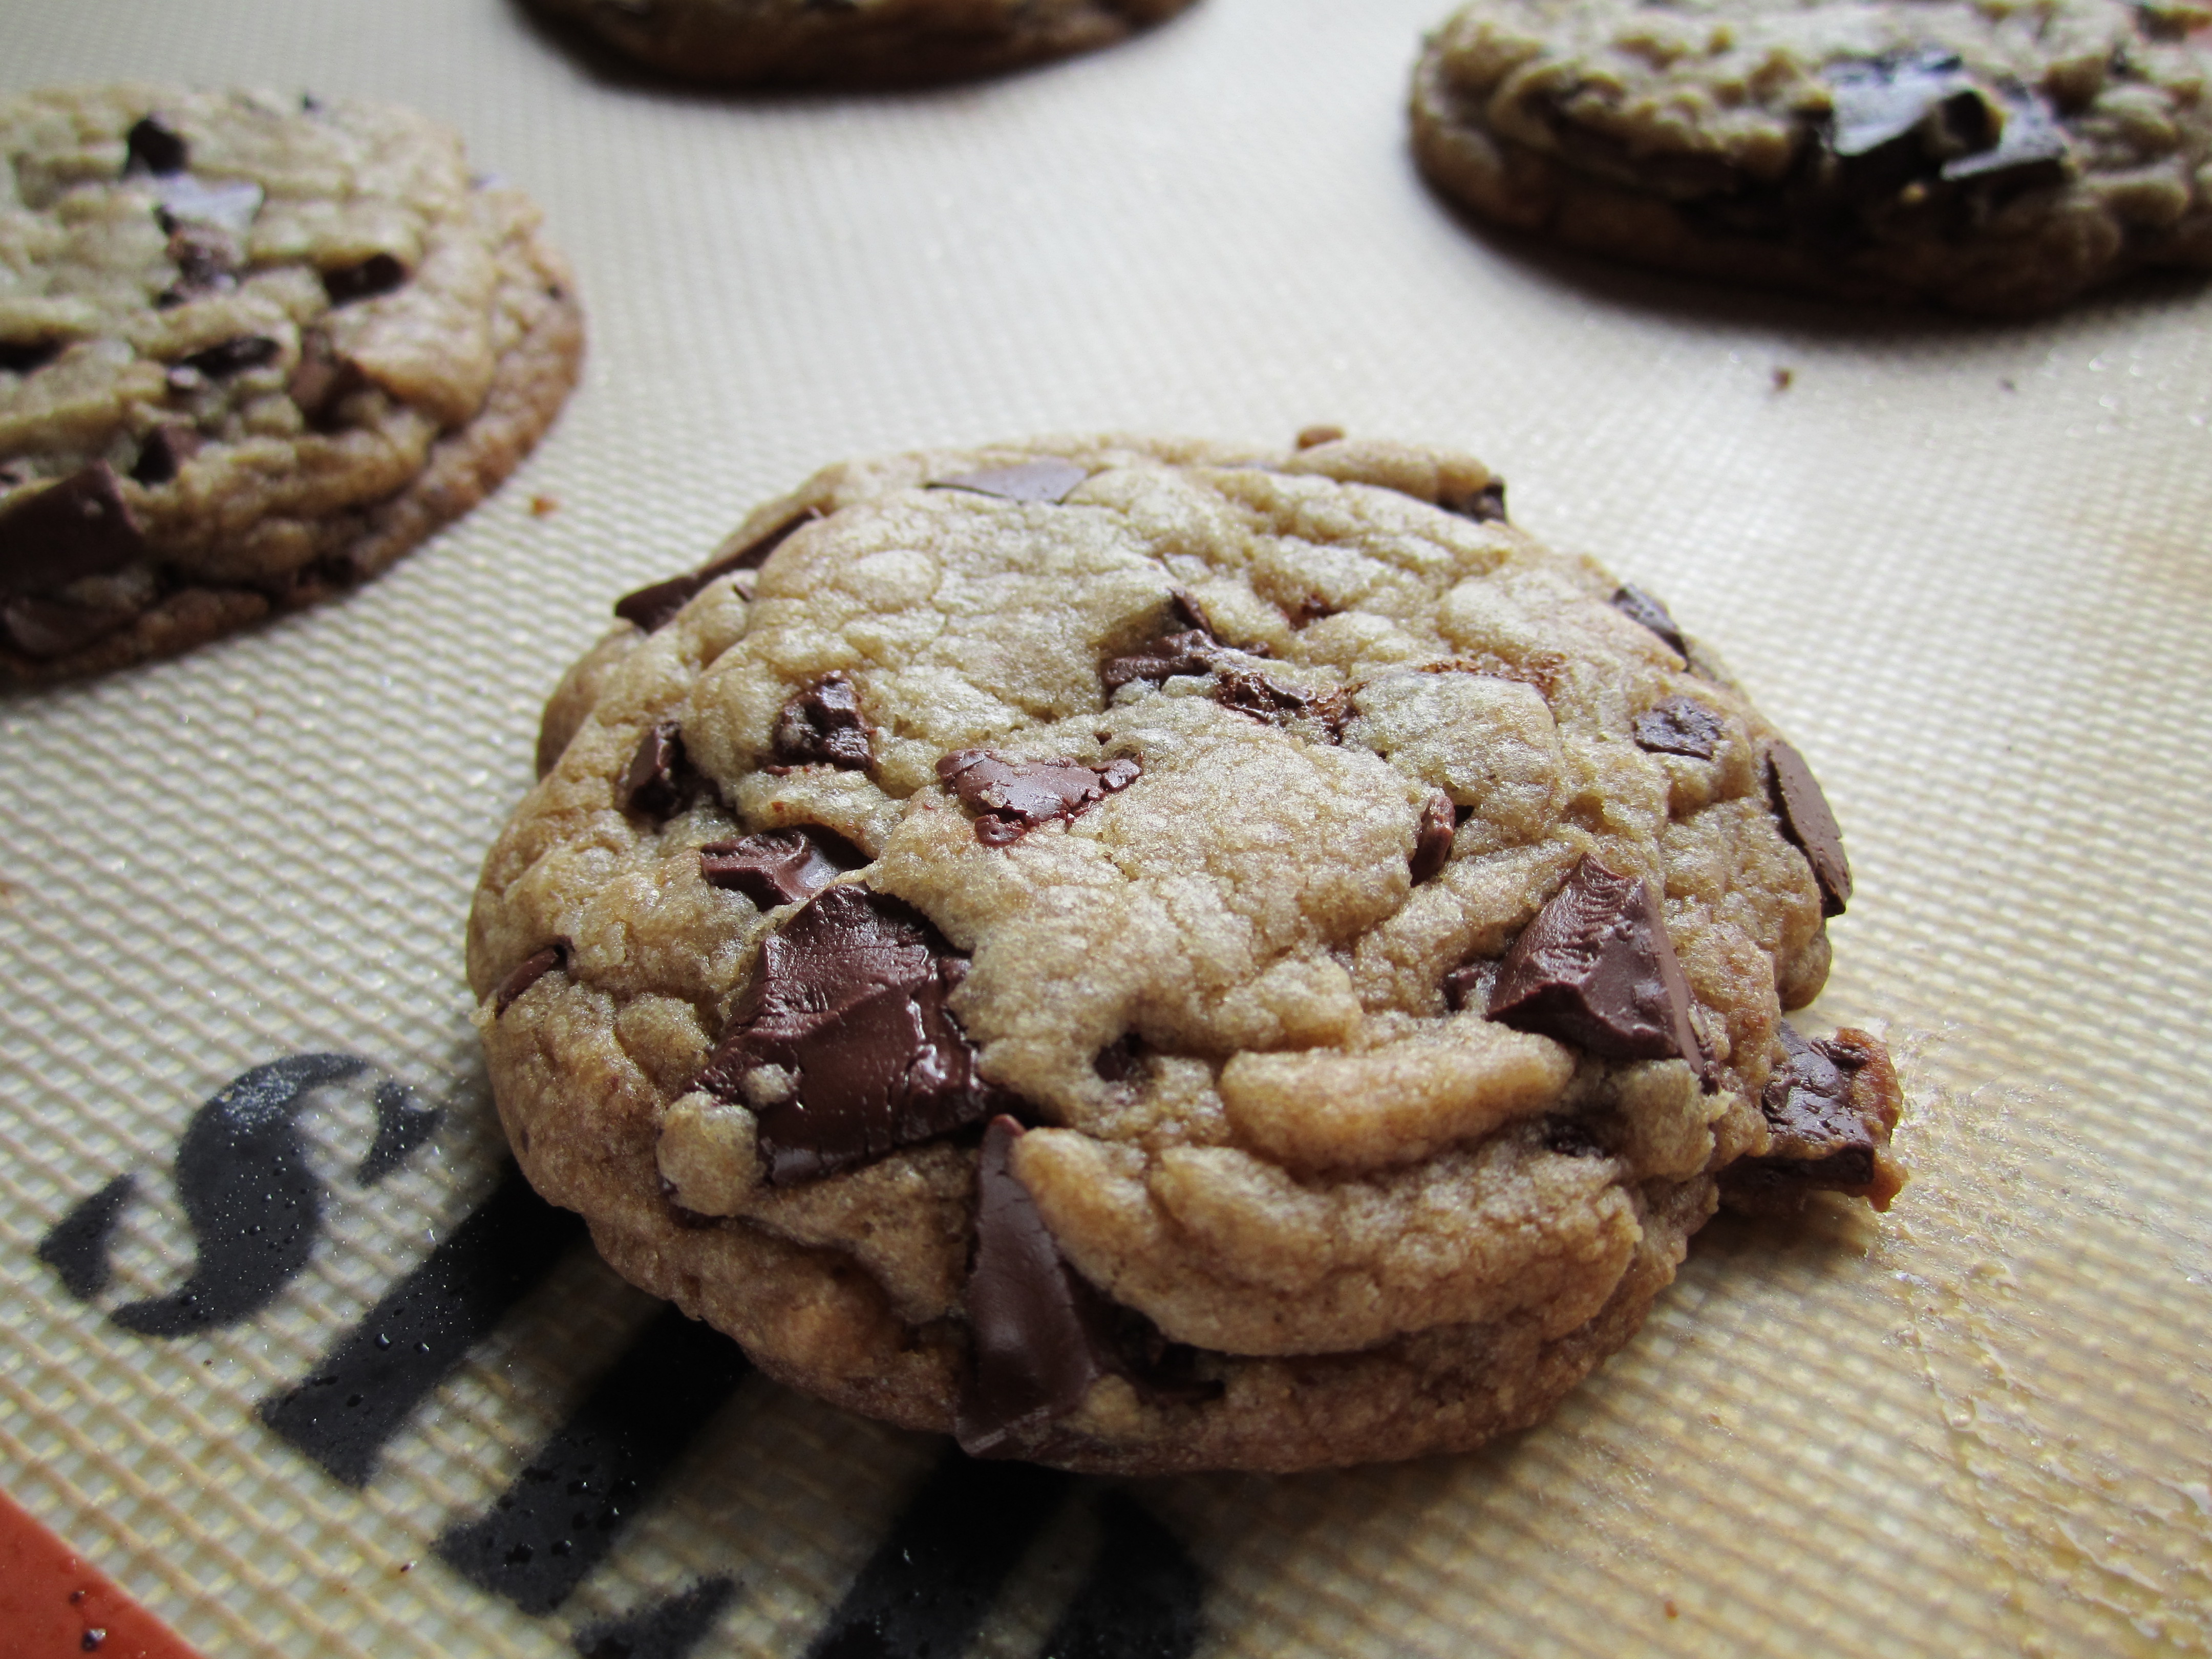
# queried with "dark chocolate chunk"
point(2031, 148)
point(1011, 797)
point(78, 527)
point(851, 1000)
point(155, 148)
point(655, 784)
point(46, 629)
point(822, 725)
point(1485, 505)
point(321, 379)
point(1191, 651)
point(166, 450)
point(1595, 969)
point(1468, 986)
point(206, 262)
point(1815, 1138)
point(1433, 842)
point(1679, 725)
point(234, 356)
point(654, 607)
point(783, 867)
point(380, 273)
point(1806, 818)
point(1264, 699)
point(1045, 481)
point(1119, 1060)
point(1639, 607)
point(1184, 607)
point(1570, 1137)
point(532, 969)
point(1879, 102)
point(1040, 1340)
point(27, 356)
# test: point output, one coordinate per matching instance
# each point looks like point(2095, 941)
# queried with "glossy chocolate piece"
point(1882, 101)
point(1263, 699)
point(1010, 797)
point(530, 970)
point(655, 784)
point(1639, 607)
point(76, 528)
point(1596, 969)
point(653, 608)
point(1679, 725)
point(851, 999)
point(1432, 841)
point(1049, 482)
point(823, 726)
point(2031, 148)
point(234, 356)
point(167, 448)
point(1806, 818)
point(784, 866)
point(1193, 651)
point(153, 147)
point(380, 273)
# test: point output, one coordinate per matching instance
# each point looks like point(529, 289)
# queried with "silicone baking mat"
point(1967, 566)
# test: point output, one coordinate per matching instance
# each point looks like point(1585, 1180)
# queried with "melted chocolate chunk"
point(167, 448)
point(822, 725)
point(380, 273)
point(1485, 505)
point(1816, 1139)
point(1264, 699)
point(1679, 725)
point(27, 356)
point(1048, 481)
point(531, 969)
point(1432, 843)
point(654, 607)
point(1639, 607)
point(1183, 606)
point(78, 527)
point(1806, 818)
point(46, 629)
point(1011, 797)
point(322, 379)
point(1595, 969)
point(1191, 651)
point(155, 148)
point(851, 1000)
point(234, 356)
point(207, 259)
point(783, 867)
point(657, 782)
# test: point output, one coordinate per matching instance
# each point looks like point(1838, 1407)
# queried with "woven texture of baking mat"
point(1968, 567)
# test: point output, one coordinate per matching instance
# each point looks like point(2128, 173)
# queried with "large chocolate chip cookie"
point(1161, 955)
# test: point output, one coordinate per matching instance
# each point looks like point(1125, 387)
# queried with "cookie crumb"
point(1784, 377)
point(544, 506)
point(1673, 1612)
point(1313, 436)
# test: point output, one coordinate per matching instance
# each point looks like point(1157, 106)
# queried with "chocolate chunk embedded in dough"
point(822, 725)
point(380, 273)
point(532, 969)
point(207, 260)
point(234, 356)
point(1278, 704)
point(1191, 652)
point(1432, 841)
point(1806, 818)
point(2030, 149)
point(1879, 102)
point(1639, 607)
point(1595, 969)
point(167, 448)
point(78, 527)
point(1829, 1109)
point(1040, 1334)
point(1485, 505)
point(46, 629)
point(1011, 797)
point(657, 783)
point(850, 1006)
point(784, 866)
point(1047, 481)
point(153, 147)
point(1679, 725)
point(321, 379)
point(27, 356)
point(653, 607)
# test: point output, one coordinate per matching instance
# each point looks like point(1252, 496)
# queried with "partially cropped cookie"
point(2001, 156)
point(1161, 955)
point(251, 352)
point(855, 42)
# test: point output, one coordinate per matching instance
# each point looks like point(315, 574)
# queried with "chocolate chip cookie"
point(2000, 156)
point(855, 42)
point(251, 352)
point(1160, 955)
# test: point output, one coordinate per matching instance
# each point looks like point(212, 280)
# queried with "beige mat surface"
point(1969, 567)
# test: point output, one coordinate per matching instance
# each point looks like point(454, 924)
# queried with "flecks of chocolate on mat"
point(1807, 819)
point(851, 1000)
point(1679, 725)
point(1596, 969)
point(1010, 797)
point(77, 528)
point(532, 969)
point(823, 726)
point(1432, 840)
point(783, 867)
point(1639, 607)
point(653, 608)
point(1046, 482)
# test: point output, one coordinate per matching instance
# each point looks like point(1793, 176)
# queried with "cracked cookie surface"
point(251, 352)
point(1162, 955)
point(855, 42)
point(2001, 157)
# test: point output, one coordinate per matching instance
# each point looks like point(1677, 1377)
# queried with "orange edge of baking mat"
point(54, 1606)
